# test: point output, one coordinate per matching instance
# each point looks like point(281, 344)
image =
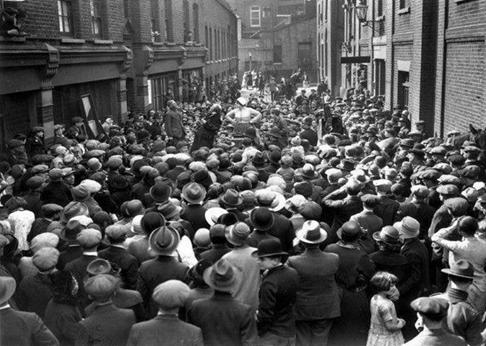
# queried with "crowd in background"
point(285, 218)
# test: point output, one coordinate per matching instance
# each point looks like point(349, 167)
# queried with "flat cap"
point(449, 179)
point(382, 184)
point(89, 237)
point(45, 258)
point(370, 200)
point(433, 308)
point(101, 286)
point(448, 190)
point(420, 191)
point(116, 231)
point(171, 294)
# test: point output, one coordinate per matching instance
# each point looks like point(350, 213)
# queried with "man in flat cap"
point(166, 328)
point(369, 221)
point(431, 313)
point(34, 145)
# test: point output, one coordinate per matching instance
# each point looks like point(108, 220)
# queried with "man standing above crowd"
point(173, 123)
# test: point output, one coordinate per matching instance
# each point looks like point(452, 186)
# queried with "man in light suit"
point(318, 302)
point(166, 328)
point(173, 123)
point(18, 327)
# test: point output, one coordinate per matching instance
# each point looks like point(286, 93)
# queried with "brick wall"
point(465, 13)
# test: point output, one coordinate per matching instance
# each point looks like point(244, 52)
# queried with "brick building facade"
point(124, 54)
point(426, 55)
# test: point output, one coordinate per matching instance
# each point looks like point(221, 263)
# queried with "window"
point(154, 21)
point(186, 21)
point(195, 22)
point(380, 76)
point(404, 4)
point(403, 88)
point(95, 8)
point(379, 9)
point(64, 10)
point(255, 16)
point(169, 30)
point(277, 54)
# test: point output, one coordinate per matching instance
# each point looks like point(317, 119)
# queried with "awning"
point(355, 59)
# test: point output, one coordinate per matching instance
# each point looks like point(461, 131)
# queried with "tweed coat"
point(108, 325)
point(24, 328)
point(223, 320)
point(165, 330)
point(318, 294)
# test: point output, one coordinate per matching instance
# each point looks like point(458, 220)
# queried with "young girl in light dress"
point(385, 327)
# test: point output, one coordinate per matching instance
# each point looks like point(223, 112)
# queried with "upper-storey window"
point(65, 21)
point(255, 16)
point(96, 22)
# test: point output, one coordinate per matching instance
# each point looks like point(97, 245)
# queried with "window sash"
point(255, 16)
point(64, 14)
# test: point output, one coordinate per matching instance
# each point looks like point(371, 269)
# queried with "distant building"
point(120, 55)
point(424, 55)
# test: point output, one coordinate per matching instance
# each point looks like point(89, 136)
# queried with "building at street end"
point(425, 55)
point(93, 58)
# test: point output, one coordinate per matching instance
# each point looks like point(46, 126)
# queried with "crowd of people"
point(304, 220)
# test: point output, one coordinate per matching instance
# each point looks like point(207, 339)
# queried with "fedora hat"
point(193, 193)
point(213, 214)
point(231, 198)
point(7, 288)
point(311, 233)
point(169, 210)
point(164, 240)
point(461, 268)
point(268, 248)
point(237, 233)
point(71, 230)
point(222, 276)
point(262, 218)
point(119, 182)
point(408, 227)
point(196, 272)
point(388, 235)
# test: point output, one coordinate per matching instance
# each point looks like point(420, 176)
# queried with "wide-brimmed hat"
point(222, 276)
point(169, 210)
point(7, 288)
point(309, 172)
point(408, 227)
point(164, 240)
point(388, 235)
point(231, 198)
point(262, 218)
point(268, 248)
point(213, 214)
point(237, 234)
point(311, 233)
point(193, 193)
point(160, 192)
point(461, 268)
point(273, 200)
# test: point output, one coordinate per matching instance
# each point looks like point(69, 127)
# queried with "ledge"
point(460, 1)
point(158, 44)
point(170, 44)
point(73, 40)
point(12, 39)
point(405, 10)
point(103, 41)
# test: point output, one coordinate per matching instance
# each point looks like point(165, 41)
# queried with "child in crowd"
point(385, 327)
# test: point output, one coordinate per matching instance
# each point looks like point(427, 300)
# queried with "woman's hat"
point(7, 288)
point(212, 215)
point(261, 218)
point(268, 248)
point(408, 227)
point(194, 193)
point(160, 192)
point(311, 233)
point(388, 235)
point(222, 276)
point(237, 234)
point(462, 269)
point(231, 198)
point(164, 240)
point(271, 199)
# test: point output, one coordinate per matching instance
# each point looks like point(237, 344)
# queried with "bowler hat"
point(7, 288)
point(274, 157)
point(171, 294)
point(262, 218)
point(160, 192)
point(388, 235)
point(222, 276)
point(164, 240)
point(460, 268)
point(311, 233)
point(269, 248)
point(349, 231)
point(194, 193)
